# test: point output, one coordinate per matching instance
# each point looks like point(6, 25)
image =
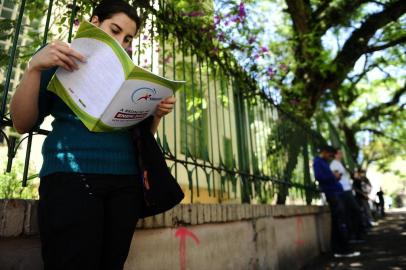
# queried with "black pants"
point(339, 228)
point(87, 221)
point(353, 215)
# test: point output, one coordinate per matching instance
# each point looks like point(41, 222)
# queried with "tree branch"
point(377, 110)
point(321, 8)
point(357, 44)
point(300, 12)
point(336, 14)
point(392, 43)
point(350, 93)
point(379, 133)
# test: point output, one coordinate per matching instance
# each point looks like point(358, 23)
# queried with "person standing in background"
point(353, 210)
point(333, 190)
point(381, 202)
point(362, 190)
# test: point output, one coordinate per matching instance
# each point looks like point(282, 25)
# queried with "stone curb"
point(19, 217)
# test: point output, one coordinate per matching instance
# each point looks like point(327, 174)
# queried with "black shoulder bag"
point(161, 191)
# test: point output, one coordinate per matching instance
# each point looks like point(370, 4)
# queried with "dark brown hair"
point(107, 8)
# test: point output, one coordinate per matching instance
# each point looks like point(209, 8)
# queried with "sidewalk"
point(385, 248)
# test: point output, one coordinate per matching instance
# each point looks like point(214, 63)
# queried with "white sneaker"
point(374, 223)
point(347, 254)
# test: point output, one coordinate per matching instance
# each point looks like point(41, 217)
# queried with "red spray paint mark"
point(182, 233)
point(299, 230)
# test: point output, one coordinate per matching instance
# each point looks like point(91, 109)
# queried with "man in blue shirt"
point(331, 187)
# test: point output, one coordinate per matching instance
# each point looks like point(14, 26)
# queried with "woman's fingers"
point(72, 53)
point(62, 64)
point(164, 110)
point(65, 49)
point(57, 53)
point(68, 61)
point(171, 100)
point(166, 105)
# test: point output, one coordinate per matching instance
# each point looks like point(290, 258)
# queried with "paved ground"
point(385, 248)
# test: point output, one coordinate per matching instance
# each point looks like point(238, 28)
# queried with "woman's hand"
point(57, 53)
point(165, 107)
point(162, 109)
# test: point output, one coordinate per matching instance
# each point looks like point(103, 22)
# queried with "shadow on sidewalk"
point(385, 248)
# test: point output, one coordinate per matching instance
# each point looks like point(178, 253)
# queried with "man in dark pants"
point(333, 190)
point(353, 210)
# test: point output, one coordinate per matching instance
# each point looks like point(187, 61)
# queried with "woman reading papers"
point(89, 194)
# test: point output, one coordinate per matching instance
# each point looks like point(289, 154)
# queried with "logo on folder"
point(144, 94)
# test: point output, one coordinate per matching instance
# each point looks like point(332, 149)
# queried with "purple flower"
point(270, 72)
point(227, 15)
point(241, 10)
point(251, 40)
point(76, 22)
point(221, 36)
point(264, 49)
point(217, 19)
point(236, 19)
point(145, 37)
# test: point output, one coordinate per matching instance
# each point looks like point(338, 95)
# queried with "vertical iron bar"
point(72, 18)
point(194, 120)
point(210, 121)
point(8, 80)
point(222, 93)
point(174, 111)
point(11, 61)
point(230, 98)
point(217, 128)
point(262, 138)
point(29, 142)
point(258, 142)
point(139, 49)
point(203, 118)
point(44, 40)
point(268, 121)
point(163, 74)
point(10, 153)
point(249, 137)
point(152, 43)
point(242, 155)
point(27, 159)
point(185, 117)
point(246, 119)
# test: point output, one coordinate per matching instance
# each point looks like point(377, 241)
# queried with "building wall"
point(225, 236)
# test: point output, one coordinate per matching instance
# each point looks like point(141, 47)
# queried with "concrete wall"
point(215, 236)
